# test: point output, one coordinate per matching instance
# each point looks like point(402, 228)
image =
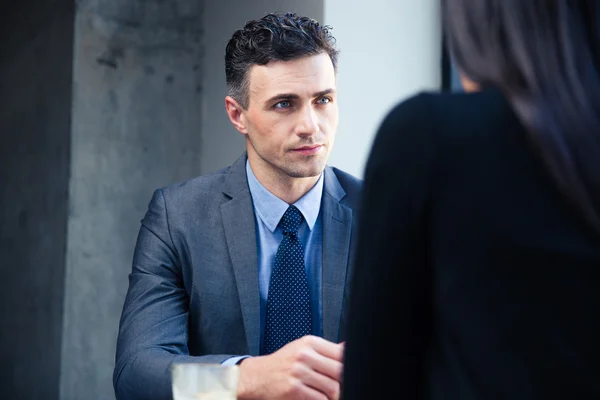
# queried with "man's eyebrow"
point(283, 96)
point(324, 92)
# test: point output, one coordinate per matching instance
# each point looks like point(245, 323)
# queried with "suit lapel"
point(240, 233)
point(337, 228)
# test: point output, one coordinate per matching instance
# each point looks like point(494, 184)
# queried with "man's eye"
point(324, 100)
point(283, 104)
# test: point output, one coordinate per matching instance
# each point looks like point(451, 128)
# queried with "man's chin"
point(310, 172)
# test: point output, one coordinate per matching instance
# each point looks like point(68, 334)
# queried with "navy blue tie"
point(288, 304)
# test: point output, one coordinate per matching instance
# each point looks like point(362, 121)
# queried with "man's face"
point(292, 116)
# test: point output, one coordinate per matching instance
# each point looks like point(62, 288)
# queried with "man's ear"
point(235, 113)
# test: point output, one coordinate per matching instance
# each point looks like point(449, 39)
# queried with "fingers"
point(326, 366)
point(323, 357)
point(326, 348)
point(309, 393)
point(322, 384)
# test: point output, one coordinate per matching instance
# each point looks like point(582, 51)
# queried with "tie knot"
point(291, 220)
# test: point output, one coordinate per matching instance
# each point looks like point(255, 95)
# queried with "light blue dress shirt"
point(269, 210)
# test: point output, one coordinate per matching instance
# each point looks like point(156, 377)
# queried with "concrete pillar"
point(100, 106)
point(135, 127)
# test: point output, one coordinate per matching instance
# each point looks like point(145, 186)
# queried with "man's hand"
point(307, 368)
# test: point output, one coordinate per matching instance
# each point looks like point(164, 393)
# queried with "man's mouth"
point(308, 150)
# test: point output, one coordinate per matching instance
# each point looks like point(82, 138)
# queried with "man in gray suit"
point(250, 265)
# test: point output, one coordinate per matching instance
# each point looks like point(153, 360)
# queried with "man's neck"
point(287, 188)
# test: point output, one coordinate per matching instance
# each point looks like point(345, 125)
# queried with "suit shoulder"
point(200, 186)
point(349, 182)
point(351, 185)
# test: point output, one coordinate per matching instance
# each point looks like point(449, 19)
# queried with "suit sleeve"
point(153, 331)
point(390, 310)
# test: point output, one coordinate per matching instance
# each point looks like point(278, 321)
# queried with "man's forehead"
point(308, 74)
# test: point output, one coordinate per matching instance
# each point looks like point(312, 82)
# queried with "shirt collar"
point(271, 208)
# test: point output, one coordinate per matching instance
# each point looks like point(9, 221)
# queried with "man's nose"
point(307, 123)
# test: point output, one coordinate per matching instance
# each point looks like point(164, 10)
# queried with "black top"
point(475, 277)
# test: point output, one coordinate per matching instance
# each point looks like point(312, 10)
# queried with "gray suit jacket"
point(193, 291)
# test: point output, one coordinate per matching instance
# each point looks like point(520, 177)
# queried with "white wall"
point(390, 49)
point(221, 143)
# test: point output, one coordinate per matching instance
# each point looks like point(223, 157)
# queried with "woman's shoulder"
point(409, 119)
point(452, 114)
point(423, 104)
point(429, 128)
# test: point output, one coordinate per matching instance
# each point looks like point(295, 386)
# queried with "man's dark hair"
point(275, 37)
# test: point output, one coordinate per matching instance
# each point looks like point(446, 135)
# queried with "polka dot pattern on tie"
point(288, 304)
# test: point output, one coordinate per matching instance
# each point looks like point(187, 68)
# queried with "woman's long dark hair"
point(545, 56)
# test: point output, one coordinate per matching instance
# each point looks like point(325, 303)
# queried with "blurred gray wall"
point(100, 105)
point(35, 111)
